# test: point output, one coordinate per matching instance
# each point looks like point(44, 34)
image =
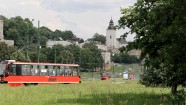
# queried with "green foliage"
point(124, 58)
point(95, 58)
point(17, 29)
point(66, 57)
point(18, 56)
point(86, 58)
point(75, 50)
point(44, 31)
point(6, 51)
point(160, 35)
point(99, 38)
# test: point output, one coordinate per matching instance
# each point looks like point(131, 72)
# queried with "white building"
point(51, 43)
point(111, 35)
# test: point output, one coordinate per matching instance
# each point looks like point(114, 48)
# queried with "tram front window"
point(2, 69)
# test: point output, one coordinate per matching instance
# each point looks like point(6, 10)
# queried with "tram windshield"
point(2, 69)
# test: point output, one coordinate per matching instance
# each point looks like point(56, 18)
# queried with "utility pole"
point(55, 54)
point(38, 44)
point(27, 39)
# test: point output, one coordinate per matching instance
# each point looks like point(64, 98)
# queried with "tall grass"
point(89, 92)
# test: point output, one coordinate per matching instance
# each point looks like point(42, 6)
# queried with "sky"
point(83, 17)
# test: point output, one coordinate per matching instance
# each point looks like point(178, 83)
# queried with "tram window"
point(69, 70)
point(43, 70)
point(25, 69)
point(56, 68)
point(52, 71)
point(18, 70)
point(2, 68)
point(12, 69)
point(74, 71)
point(34, 70)
point(61, 71)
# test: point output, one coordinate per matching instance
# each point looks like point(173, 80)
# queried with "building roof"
point(111, 24)
point(122, 40)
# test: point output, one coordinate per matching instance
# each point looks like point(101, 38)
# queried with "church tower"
point(1, 28)
point(111, 35)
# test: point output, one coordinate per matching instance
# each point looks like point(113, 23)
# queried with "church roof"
point(122, 40)
point(111, 24)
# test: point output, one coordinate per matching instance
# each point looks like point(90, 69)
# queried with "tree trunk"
point(174, 88)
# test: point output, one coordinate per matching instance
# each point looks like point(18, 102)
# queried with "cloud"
point(83, 5)
point(83, 17)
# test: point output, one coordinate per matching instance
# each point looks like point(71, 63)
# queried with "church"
point(111, 41)
point(113, 44)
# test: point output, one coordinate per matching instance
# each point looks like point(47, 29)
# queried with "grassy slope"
point(89, 92)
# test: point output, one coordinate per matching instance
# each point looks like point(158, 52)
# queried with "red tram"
point(18, 73)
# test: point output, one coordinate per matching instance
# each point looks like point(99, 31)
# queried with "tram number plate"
point(52, 79)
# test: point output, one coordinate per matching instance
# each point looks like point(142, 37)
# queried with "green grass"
point(89, 92)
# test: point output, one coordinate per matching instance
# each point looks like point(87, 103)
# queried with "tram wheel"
point(34, 84)
point(26, 84)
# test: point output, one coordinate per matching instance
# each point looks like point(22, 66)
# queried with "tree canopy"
point(99, 38)
point(91, 56)
point(19, 30)
point(159, 26)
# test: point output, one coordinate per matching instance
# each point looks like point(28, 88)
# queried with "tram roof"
point(50, 64)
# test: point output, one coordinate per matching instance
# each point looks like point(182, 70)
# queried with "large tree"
point(96, 59)
point(99, 38)
point(160, 28)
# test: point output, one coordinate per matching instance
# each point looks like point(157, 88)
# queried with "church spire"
point(111, 24)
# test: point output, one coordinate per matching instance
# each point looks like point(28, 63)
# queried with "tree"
point(124, 58)
point(96, 57)
point(75, 50)
point(66, 57)
point(44, 31)
point(160, 35)
point(67, 35)
point(86, 58)
point(99, 38)
point(6, 51)
point(18, 56)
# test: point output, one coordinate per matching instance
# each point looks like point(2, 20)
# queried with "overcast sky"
point(83, 17)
